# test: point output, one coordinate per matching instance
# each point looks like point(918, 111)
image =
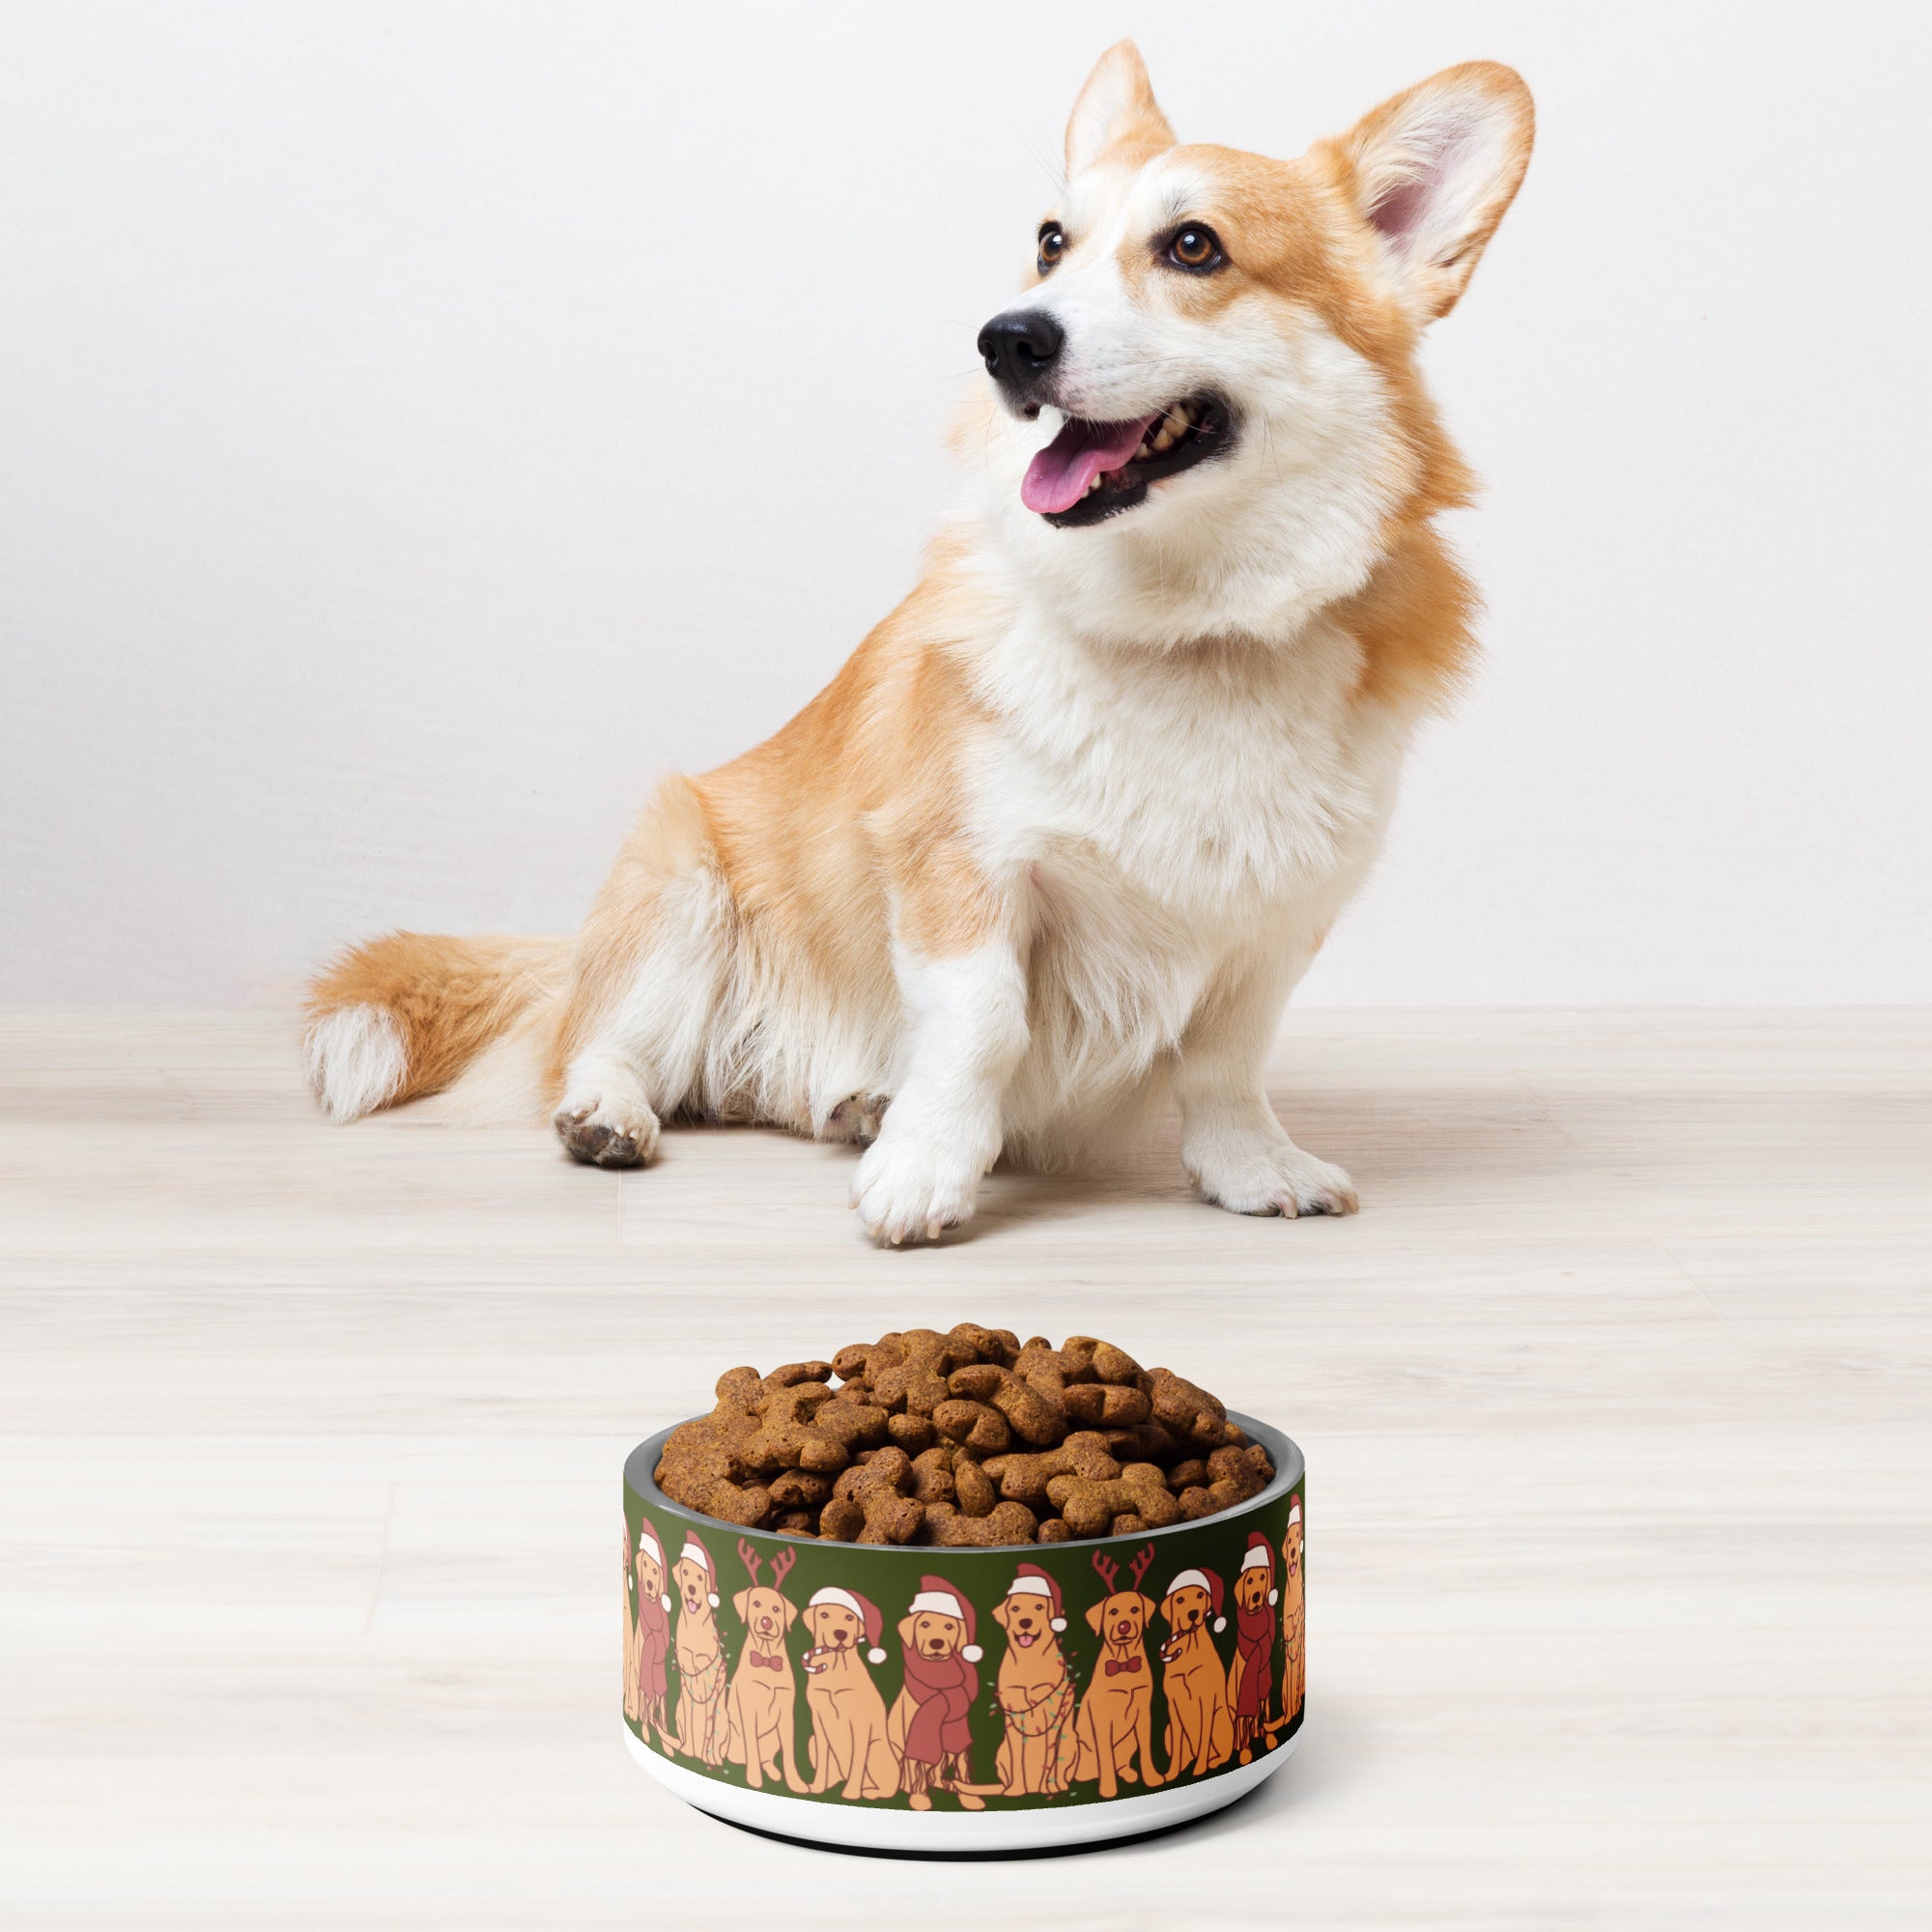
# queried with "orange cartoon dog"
point(701, 1688)
point(848, 1743)
point(1251, 1675)
point(1115, 1722)
point(1199, 1723)
point(929, 1723)
point(1294, 1620)
point(650, 1626)
point(1038, 1751)
point(762, 1714)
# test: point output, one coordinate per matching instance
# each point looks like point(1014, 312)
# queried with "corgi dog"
point(1061, 837)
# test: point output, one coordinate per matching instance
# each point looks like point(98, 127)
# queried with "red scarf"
point(654, 1633)
point(1254, 1640)
point(942, 1690)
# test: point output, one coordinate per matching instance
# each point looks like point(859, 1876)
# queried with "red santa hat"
point(1261, 1556)
point(1034, 1581)
point(937, 1595)
point(694, 1551)
point(862, 1607)
point(1294, 1513)
point(650, 1545)
point(1203, 1579)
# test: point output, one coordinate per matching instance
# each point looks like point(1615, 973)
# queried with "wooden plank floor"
point(1615, 1400)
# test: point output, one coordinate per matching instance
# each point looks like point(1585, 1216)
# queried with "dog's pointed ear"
point(1094, 1616)
point(791, 1611)
point(905, 1631)
point(1166, 1608)
point(1148, 1608)
point(1116, 109)
point(739, 1602)
point(1431, 172)
point(1000, 1610)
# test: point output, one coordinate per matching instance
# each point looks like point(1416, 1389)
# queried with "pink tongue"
point(1057, 478)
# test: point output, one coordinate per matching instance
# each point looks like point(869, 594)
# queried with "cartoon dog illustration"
point(630, 1635)
point(848, 1743)
point(762, 1713)
point(928, 1725)
point(1293, 1632)
point(1040, 1748)
point(1114, 1721)
point(1251, 1675)
point(700, 1656)
point(1200, 1726)
point(652, 1638)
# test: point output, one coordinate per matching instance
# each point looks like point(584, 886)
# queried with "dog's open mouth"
point(1024, 1639)
point(1093, 471)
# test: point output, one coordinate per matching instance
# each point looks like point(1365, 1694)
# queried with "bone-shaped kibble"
point(1148, 1441)
point(972, 1488)
point(914, 1434)
point(1233, 1475)
point(1035, 1418)
point(800, 1489)
point(973, 1424)
point(788, 1439)
point(1191, 1412)
point(932, 1476)
point(1089, 1508)
point(870, 1503)
point(1023, 1477)
point(1105, 1406)
point(1009, 1522)
point(911, 1373)
point(1108, 1363)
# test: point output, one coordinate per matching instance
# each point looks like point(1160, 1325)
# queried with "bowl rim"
point(1289, 1468)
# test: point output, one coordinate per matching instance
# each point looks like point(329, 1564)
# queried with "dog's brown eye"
point(1195, 248)
point(1052, 244)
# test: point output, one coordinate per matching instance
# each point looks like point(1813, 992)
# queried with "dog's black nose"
point(1020, 347)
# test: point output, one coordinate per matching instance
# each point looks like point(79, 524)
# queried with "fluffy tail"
point(405, 1014)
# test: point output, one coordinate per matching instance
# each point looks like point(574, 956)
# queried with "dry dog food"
point(972, 1437)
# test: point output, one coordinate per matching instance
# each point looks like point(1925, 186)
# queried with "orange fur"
point(448, 997)
point(1078, 811)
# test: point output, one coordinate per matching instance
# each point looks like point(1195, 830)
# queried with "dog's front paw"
point(603, 1128)
point(905, 1189)
point(1253, 1175)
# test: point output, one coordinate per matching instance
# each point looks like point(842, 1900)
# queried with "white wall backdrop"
point(421, 424)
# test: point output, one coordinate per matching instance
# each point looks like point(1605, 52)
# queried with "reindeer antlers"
point(1108, 1571)
point(781, 1563)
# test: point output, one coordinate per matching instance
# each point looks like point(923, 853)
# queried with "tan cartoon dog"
point(762, 1733)
point(1039, 1752)
point(701, 1688)
point(630, 1635)
point(848, 1743)
point(1251, 1675)
point(1114, 1726)
point(1200, 1726)
point(1294, 1620)
point(929, 1723)
point(651, 1626)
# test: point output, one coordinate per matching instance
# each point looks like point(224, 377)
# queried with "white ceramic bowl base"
point(916, 1831)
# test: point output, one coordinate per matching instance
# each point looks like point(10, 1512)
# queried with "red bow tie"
point(1113, 1670)
point(760, 1661)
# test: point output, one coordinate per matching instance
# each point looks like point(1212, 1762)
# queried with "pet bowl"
point(943, 1700)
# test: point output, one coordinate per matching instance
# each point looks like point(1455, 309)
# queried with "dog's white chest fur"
point(1179, 811)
